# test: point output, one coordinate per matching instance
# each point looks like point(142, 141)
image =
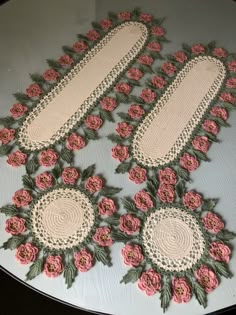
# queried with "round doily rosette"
point(57, 222)
point(178, 248)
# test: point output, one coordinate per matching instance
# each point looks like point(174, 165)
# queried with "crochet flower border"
point(158, 82)
point(55, 261)
point(101, 110)
point(175, 285)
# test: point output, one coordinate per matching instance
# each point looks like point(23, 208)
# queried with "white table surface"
point(32, 31)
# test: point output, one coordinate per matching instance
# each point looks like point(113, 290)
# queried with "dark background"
point(17, 299)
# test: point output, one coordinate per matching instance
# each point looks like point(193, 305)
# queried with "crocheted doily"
point(62, 218)
point(41, 127)
point(175, 242)
point(178, 113)
point(172, 239)
point(57, 222)
point(67, 105)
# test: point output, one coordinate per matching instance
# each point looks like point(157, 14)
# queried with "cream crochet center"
point(62, 218)
point(62, 108)
point(172, 239)
point(168, 127)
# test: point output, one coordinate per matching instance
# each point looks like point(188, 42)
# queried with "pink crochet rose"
point(108, 103)
point(132, 255)
point(80, 46)
point(148, 95)
point(65, 60)
point(168, 68)
point(70, 175)
point(206, 278)
point(93, 122)
point(143, 200)
point(48, 158)
point(166, 193)
point(180, 56)
point(198, 49)
point(44, 180)
point(210, 126)
point(181, 290)
point(83, 260)
point(123, 88)
point(135, 74)
point(232, 65)
point(138, 174)
point(53, 266)
point(212, 223)
point(129, 224)
point(227, 97)
point(34, 90)
point(124, 129)
point(15, 225)
point(219, 112)
point(145, 60)
point(158, 31)
point(167, 176)
point(51, 75)
point(201, 143)
point(158, 82)
point(189, 162)
point(22, 198)
point(75, 142)
point(192, 200)
point(93, 184)
point(102, 237)
point(150, 282)
point(154, 46)
point(18, 110)
point(124, 16)
point(6, 135)
point(26, 253)
point(93, 35)
point(17, 158)
point(231, 83)
point(145, 17)
point(136, 111)
point(219, 251)
point(219, 52)
point(107, 207)
point(120, 152)
point(106, 24)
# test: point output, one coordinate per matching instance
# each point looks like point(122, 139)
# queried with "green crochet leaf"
point(70, 273)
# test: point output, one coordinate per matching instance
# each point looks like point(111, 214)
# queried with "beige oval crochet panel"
point(168, 127)
point(62, 108)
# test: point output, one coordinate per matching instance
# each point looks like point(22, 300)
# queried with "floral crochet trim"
point(57, 222)
point(86, 124)
point(175, 242)
point(192, 145)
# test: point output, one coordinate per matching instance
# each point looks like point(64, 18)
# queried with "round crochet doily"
point(62, 218)
point(173, 240)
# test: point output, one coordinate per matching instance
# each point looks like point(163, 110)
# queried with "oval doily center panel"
point(168, 127)
point(60, 110)
point(172, 239)
point(62, 218)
